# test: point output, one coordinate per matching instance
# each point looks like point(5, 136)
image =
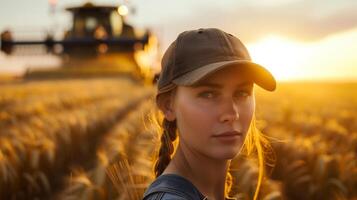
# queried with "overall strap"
point(176, 185)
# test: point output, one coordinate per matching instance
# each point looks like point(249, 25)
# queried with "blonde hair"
point(253, 146)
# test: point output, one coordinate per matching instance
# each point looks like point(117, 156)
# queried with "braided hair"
point(167, 148)
point(167, 136)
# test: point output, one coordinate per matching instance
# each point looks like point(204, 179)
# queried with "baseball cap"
point(195, 54)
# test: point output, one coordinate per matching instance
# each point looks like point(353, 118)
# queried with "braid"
point(167, 148)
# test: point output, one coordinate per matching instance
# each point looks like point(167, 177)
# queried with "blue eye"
point(207, 94)
point(243, 94)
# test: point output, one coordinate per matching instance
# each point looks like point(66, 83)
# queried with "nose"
point(230, 111)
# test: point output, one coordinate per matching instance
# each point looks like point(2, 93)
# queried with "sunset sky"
point(295, 39)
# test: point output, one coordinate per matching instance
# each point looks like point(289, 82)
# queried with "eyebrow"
point(215, 85)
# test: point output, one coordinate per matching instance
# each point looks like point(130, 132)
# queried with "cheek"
point(193, 117)
point(246, 114)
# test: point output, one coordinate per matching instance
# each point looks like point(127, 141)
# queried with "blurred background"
point(77, 81)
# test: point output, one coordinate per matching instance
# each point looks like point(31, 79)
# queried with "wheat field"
point(94, 139)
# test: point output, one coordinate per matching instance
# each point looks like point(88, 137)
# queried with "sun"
point(282, 57)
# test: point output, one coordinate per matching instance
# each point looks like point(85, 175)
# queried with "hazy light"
point(123, 10)
point(53, 2)
point(332, 58)
point(284, 58)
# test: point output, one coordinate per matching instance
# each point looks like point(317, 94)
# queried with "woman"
point(205, 93)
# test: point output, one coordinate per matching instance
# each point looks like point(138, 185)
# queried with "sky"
point(294, 39)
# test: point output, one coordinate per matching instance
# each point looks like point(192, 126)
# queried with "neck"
point(207, 174)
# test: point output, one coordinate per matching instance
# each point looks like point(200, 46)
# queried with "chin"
point(226, 154)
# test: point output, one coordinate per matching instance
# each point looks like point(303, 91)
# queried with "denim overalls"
point(172, 186)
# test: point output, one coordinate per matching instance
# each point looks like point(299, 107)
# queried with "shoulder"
point(172, 186)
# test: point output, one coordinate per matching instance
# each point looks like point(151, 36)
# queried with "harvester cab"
point(103, 24)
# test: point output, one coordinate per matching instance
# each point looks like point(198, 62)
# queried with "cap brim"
point(259, 74)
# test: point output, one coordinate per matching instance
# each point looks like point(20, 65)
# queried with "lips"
point(228, 134)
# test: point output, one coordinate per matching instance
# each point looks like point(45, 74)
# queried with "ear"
point(165, 104)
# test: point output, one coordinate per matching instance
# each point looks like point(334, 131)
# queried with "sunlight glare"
point(283, 58)
point(123, 10)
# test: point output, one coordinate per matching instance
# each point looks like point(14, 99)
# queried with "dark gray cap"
point(198, 53)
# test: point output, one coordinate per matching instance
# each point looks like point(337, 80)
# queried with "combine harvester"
point(100, 43)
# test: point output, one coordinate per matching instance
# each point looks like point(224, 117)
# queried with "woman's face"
point(223, 102)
